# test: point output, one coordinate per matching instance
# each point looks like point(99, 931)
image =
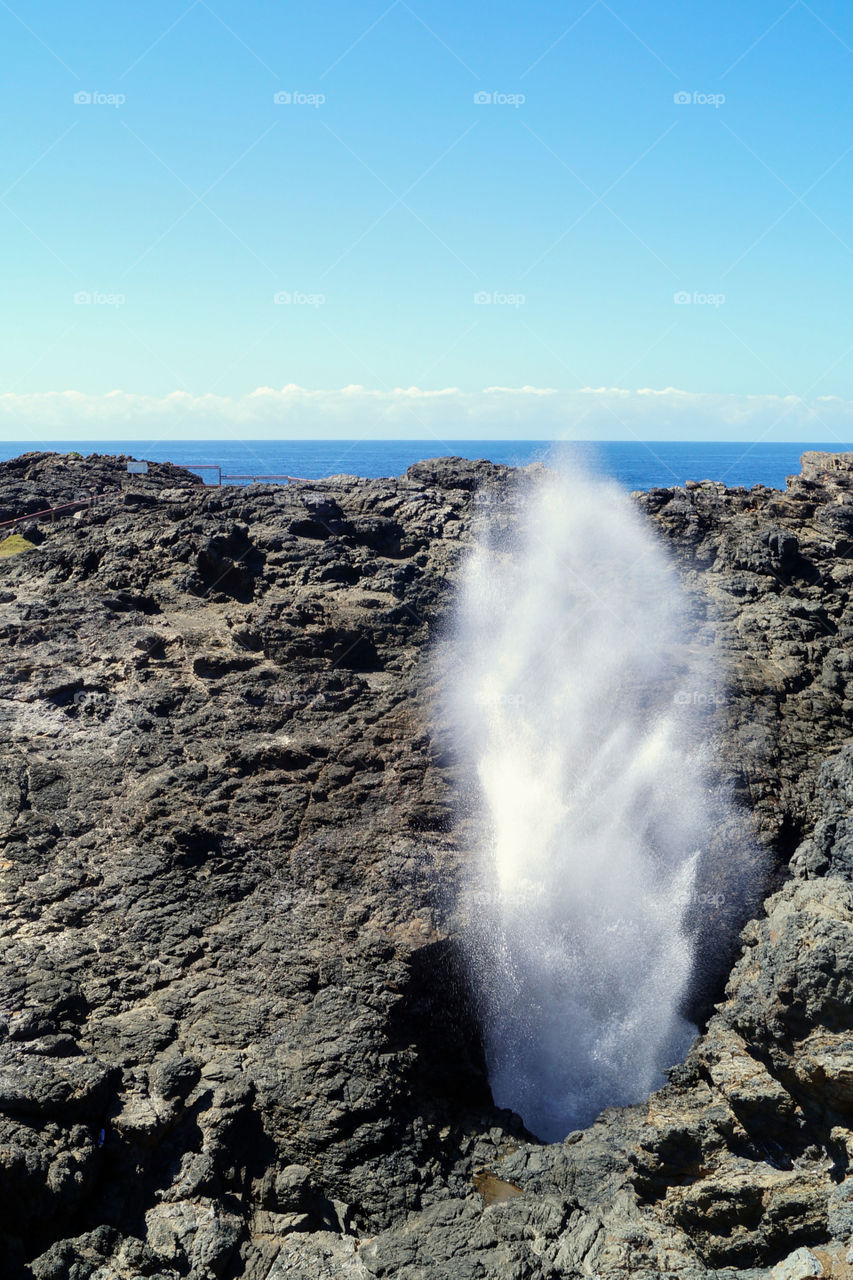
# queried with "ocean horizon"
point(632, 464)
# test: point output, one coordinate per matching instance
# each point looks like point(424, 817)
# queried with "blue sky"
point(418, 238)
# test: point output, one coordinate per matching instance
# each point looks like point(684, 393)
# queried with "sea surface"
point(636, 465)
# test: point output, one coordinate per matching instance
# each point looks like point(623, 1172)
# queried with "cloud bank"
point(494, 413)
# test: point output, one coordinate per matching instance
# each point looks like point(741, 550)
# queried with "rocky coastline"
point(236, 1036)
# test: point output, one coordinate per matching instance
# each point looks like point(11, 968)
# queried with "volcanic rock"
point(236, 1035)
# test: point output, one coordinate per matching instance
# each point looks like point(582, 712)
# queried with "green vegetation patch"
point(14, 545)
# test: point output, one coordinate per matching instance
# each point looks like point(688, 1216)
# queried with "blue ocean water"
point(636, 465)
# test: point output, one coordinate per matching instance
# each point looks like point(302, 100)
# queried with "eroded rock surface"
point(235, 1034)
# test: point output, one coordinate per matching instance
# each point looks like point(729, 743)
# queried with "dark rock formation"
point(34, 482)
point(235, 1034)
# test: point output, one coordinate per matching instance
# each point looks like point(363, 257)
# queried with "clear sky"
point(416, 237)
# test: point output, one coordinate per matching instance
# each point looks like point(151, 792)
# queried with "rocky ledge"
point(236, 1038)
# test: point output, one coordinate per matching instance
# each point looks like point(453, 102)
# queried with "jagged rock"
point(236, 1038)
point(799, 1265)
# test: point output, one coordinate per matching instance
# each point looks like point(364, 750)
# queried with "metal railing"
point(79, 504)
point(223, 477)
point(263, 479)
point(203, 466)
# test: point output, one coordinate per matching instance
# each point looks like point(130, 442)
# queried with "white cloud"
point(441, 415)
